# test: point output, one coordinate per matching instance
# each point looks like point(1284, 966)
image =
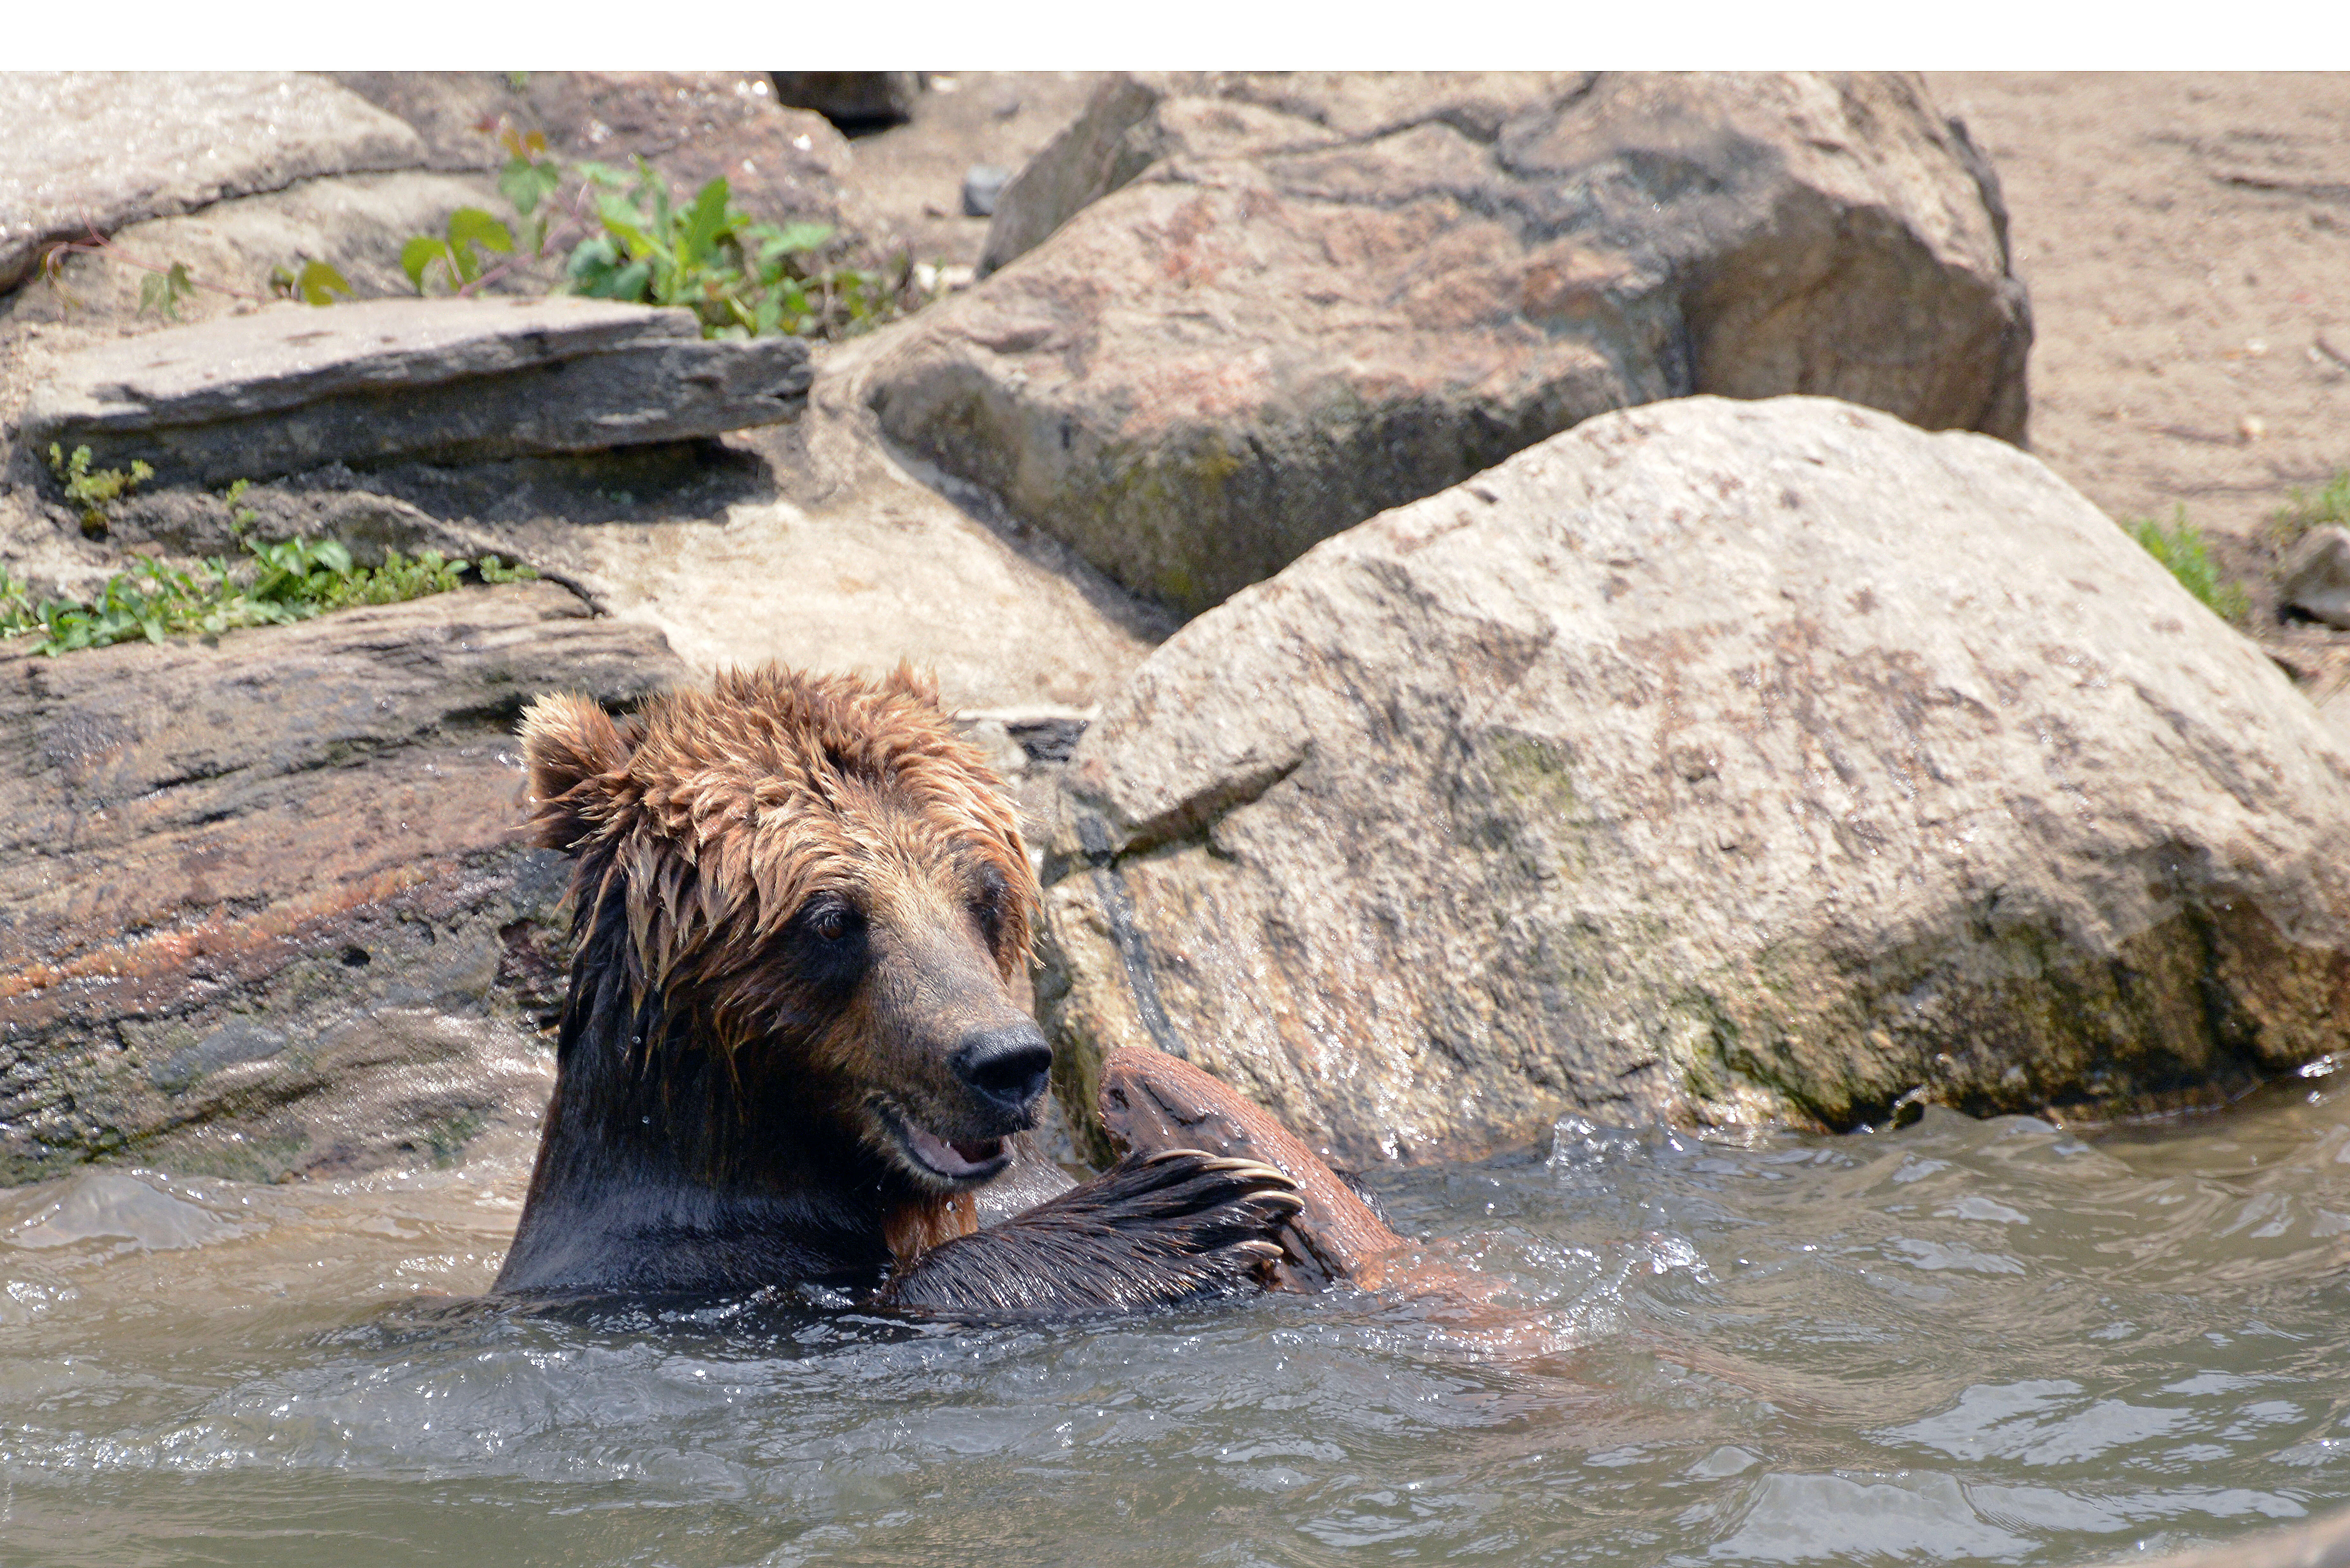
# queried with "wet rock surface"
point(252, 396)
point(1249, 320)
point(99, 149)
point(1713, 762)
point(262, 907)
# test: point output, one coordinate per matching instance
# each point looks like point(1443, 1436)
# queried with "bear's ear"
point(921, 685)
point(570, 745)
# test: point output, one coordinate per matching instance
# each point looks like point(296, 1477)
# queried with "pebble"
point(2315, 579)
point(982, 184)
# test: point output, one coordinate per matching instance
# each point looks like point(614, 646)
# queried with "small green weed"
point(2180, 548)
point(624, 235)
point(93, 492)
point(316, 283)
point(277, 584)
point(161, 292)
point(742, 279)
point(168, 283)
point(458, 254)
point(2329, 507)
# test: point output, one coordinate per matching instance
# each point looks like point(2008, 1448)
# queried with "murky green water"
point(1963, 1341)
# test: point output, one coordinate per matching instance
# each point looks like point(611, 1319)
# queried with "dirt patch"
point(2187, 242)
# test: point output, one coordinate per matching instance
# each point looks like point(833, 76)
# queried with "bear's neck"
point(662, 1168)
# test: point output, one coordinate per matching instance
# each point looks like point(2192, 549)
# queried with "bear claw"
point(1173, 1226)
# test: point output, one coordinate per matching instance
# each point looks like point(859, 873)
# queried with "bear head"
point(813, 891)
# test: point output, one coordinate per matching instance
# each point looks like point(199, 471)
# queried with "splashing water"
point(1963, 1342)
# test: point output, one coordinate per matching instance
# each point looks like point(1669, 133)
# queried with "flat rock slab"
point(262, 904)
point(1712, 762)
point(293, 388)
point(102, 149)
point(1255, 312)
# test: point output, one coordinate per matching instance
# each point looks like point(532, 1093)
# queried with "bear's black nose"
point(1008, 1066)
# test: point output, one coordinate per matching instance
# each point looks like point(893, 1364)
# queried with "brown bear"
point(790, 1055)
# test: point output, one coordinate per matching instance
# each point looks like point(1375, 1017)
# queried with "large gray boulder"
point(293, 387)
point(1713, 762)
point(263, 909)
point(1257, 311)
point(97, 150)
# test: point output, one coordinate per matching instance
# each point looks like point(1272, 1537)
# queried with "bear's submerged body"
point(789, 1054)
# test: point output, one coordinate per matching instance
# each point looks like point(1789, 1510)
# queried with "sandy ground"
point(913, 173)
point(2186, 242)
point(2186, 239)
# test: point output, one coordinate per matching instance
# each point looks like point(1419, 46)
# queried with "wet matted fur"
point(789, 1052)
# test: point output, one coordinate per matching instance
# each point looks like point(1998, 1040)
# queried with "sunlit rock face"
point(1258, 310)
point(90, 151)
point(1711, 762)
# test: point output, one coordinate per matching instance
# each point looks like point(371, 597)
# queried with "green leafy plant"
point(456, 255)
point(490, 569)
point(2180, 548)
point(530, 177)
point(742, 278)
point(94, 490)
point(161, 292)
point(276, 583)
point(624, 234)
point(315, 282)
point(2328, 506)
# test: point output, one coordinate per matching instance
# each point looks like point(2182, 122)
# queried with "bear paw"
point(1152, 1231)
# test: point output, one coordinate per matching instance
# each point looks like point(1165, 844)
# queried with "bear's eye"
point(988, 899)
point(829, 919)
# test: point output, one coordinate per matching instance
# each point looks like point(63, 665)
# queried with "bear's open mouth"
point(964, 1161)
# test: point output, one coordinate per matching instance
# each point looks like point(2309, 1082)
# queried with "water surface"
point(1963, 1341)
